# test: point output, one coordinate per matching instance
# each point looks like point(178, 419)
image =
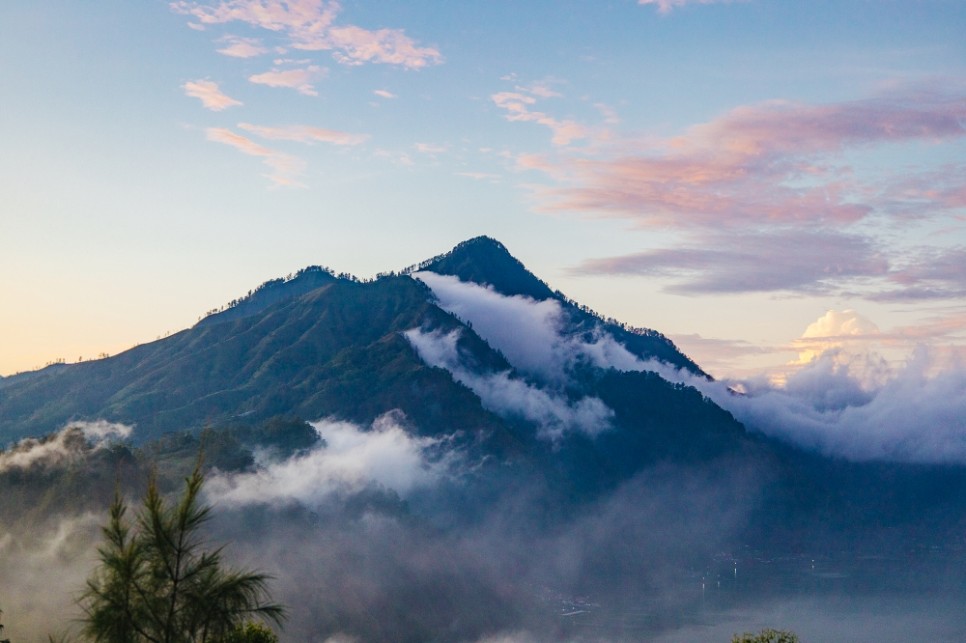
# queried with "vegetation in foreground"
point(159, 582)
point(767, 635)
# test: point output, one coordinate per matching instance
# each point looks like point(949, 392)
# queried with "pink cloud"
point(310, 25)
point(541, 163)
point(285, 167)
point(209, 94)
point(238, 47)
point(298, 79)
point(356, 46)
point(518, 108)
point(383, 93)
point(304, 134)
point(777, 161)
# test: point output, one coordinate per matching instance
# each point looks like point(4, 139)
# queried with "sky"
point(763, 181)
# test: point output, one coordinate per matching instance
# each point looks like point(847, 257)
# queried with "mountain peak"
point(271, 292)
point(486, 261)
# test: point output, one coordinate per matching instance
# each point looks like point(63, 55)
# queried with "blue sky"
point(724, 172)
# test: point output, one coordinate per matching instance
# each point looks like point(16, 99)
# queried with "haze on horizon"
point(763, 181)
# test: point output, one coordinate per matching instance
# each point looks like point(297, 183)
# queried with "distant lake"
point(822, 598)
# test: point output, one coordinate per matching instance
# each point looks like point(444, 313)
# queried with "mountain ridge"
point(235, 361)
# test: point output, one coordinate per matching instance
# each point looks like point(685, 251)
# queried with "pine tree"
point(158, 582)
point(1, 631)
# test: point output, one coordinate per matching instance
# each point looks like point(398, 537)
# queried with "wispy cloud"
point(285, 167)
point(383, 93)
point(304, 134)
point(430, 148)
point(716, 263)
point(778, 161)
point(209, 94)
point(518, 107)
point(480, 176)
point(928, 273)
point(665, 6)
point(311, 25)
point(239, 47)
point(298, 79)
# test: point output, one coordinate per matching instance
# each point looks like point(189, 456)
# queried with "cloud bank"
point(529, 333)
point(843, 400)
point(68, 445)
point(782, 183)
point(350, 459)
point(913, 414)
point(772, 162)
point(506, 395)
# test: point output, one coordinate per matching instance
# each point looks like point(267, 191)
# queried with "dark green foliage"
point(313, 345)
point(250, 632)
point(767, 635)
point(158, 582)
point(288, 434)
point(272, 292)
point(486, 261)
point(318, 345)
point(81, 478)
point(255, 367)
point(1, 631)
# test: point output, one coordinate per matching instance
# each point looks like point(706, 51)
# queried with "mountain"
point(468, 347)
point(335, 350)
point(488, 457)
point(313, 345)
point(487, 262)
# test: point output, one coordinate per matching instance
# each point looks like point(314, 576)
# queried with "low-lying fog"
point(369, 539)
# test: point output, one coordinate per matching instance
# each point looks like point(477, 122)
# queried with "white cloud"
point(844, 403)
point(69, 444)
point(351, 459)
point(835, 329)
point(915, 415)
point(526, 331)
point(553, 412)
